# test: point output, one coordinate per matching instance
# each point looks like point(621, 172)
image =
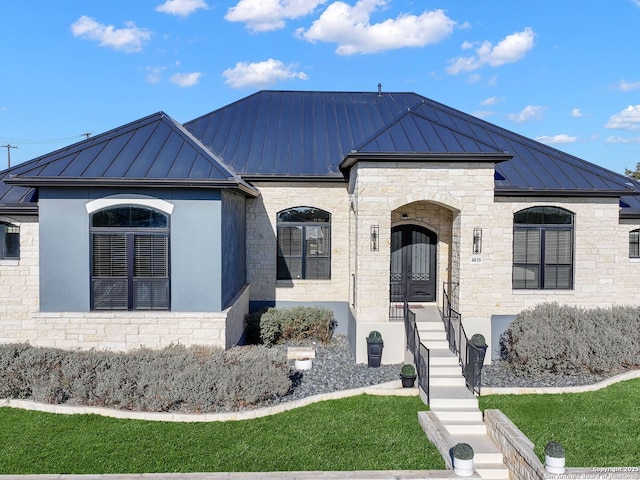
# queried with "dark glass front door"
point(413, 264)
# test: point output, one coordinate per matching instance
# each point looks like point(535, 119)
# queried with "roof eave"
point(355, 157)
point(331, 178)
point(130, 182)
point(550, 192)
point(19, 209)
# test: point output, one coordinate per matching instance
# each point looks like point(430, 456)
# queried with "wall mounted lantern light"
point(477, 240)
point(374, 238)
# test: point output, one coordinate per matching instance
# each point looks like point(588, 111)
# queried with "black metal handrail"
point(418, 349)
point(459, 342)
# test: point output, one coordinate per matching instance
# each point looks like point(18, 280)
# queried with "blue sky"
point(564, 72)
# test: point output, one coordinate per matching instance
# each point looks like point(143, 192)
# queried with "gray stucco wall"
point(195, 244)
point(233, 238)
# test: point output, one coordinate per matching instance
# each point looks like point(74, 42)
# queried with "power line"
point(42, 142)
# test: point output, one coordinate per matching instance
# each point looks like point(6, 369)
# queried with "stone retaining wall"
point(516, 448)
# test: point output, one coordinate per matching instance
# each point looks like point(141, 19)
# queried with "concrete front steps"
point(454, 414)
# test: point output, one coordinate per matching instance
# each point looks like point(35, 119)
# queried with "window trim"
point(322, 220)
point(544, 229)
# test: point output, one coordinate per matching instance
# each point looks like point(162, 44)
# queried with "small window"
point(634, 243)
point(10, 239)
point(304, 244)
point(543, 249)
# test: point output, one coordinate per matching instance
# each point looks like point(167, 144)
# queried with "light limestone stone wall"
point(261, 242)
point(603, 273)
point(517, 449)
point(450, 198)
point(19, 294)
point(122, 331)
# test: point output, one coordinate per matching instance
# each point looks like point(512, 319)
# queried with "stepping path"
point(454, 414)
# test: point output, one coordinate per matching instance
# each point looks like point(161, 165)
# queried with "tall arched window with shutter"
point(130, 259)
point(543, 248)
point(304, 243)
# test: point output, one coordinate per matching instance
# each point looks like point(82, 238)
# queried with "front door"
point(413, 264)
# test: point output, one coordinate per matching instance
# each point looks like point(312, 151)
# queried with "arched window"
point(304, 243)
point(634, 243)
point(543, 248)
point(129, 259)
point(10, 241)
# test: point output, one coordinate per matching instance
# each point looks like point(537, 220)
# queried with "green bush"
point(408, 370)
point(571, 340)
point(278, 325)
point(176, 378)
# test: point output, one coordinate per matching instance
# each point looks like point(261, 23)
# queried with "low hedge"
point(176, 378)
point(571, 340)
point(279, 325)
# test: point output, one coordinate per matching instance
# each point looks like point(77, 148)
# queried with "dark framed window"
point(130, 259)
point(634, 243)
point(304, 244)
point(9, 241)
point(543, 248)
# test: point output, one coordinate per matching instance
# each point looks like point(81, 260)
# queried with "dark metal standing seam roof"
point(296, 134)
point(291, 136)
point(152, 151)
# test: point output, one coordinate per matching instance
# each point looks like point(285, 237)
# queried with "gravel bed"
point(335, 369)
point(500, 374)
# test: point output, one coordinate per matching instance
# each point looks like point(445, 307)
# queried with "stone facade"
point(261, 242)
point(19, 285)
point(121, 331)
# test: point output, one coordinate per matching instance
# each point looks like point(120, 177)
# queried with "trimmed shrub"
point(278, 325)
point(176, 378)
point(571, 340)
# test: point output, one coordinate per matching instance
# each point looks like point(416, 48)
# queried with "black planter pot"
point(408, 382)
point(374, 349)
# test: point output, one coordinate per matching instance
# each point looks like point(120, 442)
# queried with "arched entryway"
point(413, 264)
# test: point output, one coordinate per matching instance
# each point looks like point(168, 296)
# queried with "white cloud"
point(129, 39)
point(576, 113)
point(154, 74)
point(483, 113)
point(181, 8)
point(350, 27)
point(530, 112)
point(186, 79)
point(511, 49)
point(491, 101)
point(267, 15)
point(557, 139)
point(261, 74)
point(613, 139)
point(637, 2)
point(625, 86)
point(627, 119)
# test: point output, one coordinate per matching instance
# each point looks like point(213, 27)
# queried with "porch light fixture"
point(375, 235)
point(477, 240)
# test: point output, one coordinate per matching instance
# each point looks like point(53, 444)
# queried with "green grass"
point(597, 429)
point(357, 433)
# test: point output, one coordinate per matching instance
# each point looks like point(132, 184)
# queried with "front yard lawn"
point(358, 433)
point(597, 429)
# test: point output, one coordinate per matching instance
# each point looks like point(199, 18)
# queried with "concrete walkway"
point(454, 414)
